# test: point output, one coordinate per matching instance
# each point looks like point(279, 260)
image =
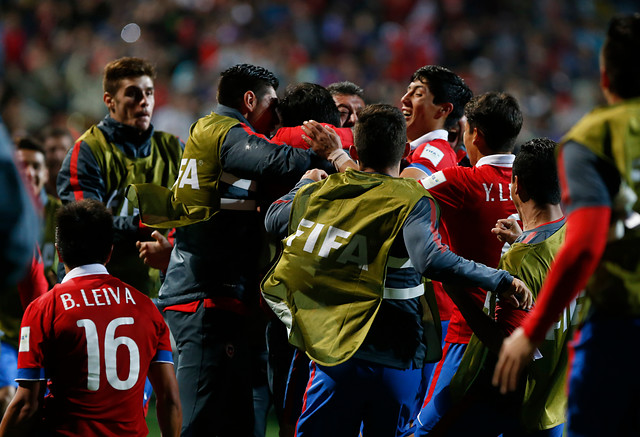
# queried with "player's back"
point(98, 338)
point(471, 200)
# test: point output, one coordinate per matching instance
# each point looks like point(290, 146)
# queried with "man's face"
point(264, 117)
point(419, 110)
point(133, 102)
point(349, 106)
point(55, 149)
point(34, 169)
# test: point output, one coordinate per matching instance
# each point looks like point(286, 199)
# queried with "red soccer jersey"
point(432, 154)
point(93, 337)
point(471, 200)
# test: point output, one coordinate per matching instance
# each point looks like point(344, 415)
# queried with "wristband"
point(338, 157)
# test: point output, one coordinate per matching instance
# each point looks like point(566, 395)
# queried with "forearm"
point(169, 414)
point(575, 262)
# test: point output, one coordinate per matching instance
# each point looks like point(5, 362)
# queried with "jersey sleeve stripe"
point(421, 167)
point(33, 374)
point(163, 356)
point(73, 170)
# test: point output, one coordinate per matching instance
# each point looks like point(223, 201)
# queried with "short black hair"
point(125, 68)
point(239, 79)
point(347, 88)
point(56, 132)
point(446, 87)
point(29, 143)
point(497, 115)
point(380, 136)
point(307, 101)
point(620, 55)
point(535, 166)
point(84, 233)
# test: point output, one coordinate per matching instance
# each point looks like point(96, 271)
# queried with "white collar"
point(499, 160)
point(438, 134)
point(85, 270)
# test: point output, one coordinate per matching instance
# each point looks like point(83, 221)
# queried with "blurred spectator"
point(544, 53)
point(57, 142)
point(31, 156)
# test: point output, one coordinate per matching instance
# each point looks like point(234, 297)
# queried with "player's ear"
point(108, 101)
point(249, 100)
point(59, 254)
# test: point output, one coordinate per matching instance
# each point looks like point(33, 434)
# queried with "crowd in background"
point(52, 52)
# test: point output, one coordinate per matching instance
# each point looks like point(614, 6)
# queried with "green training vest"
point(328, 284)
point(544, 401)
point(118, 170)
point(613, 134)
point(194, 197)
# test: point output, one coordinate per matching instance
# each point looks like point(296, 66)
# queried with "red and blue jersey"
point(93, 337)
point(471, 200)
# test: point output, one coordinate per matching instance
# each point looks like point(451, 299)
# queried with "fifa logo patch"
point(24, 339)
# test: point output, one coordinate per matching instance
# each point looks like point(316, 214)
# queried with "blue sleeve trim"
point(420, 167)
point(163, 356)
point(34, 374)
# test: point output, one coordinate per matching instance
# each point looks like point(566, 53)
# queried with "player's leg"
point(332, 404)
point(214, 372)
point(438, 399)
point(604, 391)
point(390, 401)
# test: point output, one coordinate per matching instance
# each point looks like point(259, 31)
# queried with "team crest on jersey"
point(433, 154)
point(433, 180)
point(25, 331)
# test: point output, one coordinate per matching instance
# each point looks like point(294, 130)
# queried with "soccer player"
point(95, 338)
point(349, 99)
point(348, 284)
point(434, 102)
point(598, 164)
point(211, 290)
point(471, 200)
point(539, 409)
point(123, 149)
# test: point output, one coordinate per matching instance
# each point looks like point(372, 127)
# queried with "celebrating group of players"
point(417, 270)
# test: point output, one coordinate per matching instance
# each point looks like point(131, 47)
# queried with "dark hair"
point(239, 79)
point(84, 233)
point(620, 55)
point(535, 166)
point(380, 136)
point(125, 68)
point(307, 101)
point(29, 143)
point(56, 132)
point(446, 87)
point(346, 88)
point(497, 115)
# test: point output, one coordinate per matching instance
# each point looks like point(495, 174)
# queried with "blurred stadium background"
point(52, 52)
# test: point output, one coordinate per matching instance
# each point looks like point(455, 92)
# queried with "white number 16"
point(111, 343)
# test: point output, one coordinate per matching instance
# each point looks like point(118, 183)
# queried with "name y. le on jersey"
point(355, 245)
point(97, 297)
point(494, 191)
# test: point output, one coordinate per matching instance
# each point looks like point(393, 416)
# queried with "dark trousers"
point(214, 372)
